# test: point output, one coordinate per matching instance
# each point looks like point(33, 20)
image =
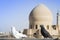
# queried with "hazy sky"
point(16, 12)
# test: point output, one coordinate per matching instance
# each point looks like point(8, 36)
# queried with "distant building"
point(41, 15)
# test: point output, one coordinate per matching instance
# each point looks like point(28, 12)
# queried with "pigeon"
point(45, 33)
point(16, 34)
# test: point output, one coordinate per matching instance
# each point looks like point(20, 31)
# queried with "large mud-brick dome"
point(40, 15)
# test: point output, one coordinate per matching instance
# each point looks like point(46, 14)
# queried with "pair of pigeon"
point(44, 33)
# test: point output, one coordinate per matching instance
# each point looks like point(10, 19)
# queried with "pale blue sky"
point(16, 12)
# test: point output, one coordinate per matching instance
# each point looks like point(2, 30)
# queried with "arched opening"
point(54, 27)
point(47, 26)
point(36, 26)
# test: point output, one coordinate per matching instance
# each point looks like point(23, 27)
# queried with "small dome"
point(41, 14)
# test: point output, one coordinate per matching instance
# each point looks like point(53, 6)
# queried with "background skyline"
point(16, 12)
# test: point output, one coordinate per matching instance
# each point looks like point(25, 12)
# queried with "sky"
point(16, 12)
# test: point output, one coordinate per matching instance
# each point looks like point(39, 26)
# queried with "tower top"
point(58, 12)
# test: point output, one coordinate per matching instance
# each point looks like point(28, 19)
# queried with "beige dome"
point(40, 15)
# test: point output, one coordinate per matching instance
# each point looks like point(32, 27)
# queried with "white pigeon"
point(16, 34)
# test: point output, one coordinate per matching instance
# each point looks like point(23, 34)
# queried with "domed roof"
point(40, 13)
